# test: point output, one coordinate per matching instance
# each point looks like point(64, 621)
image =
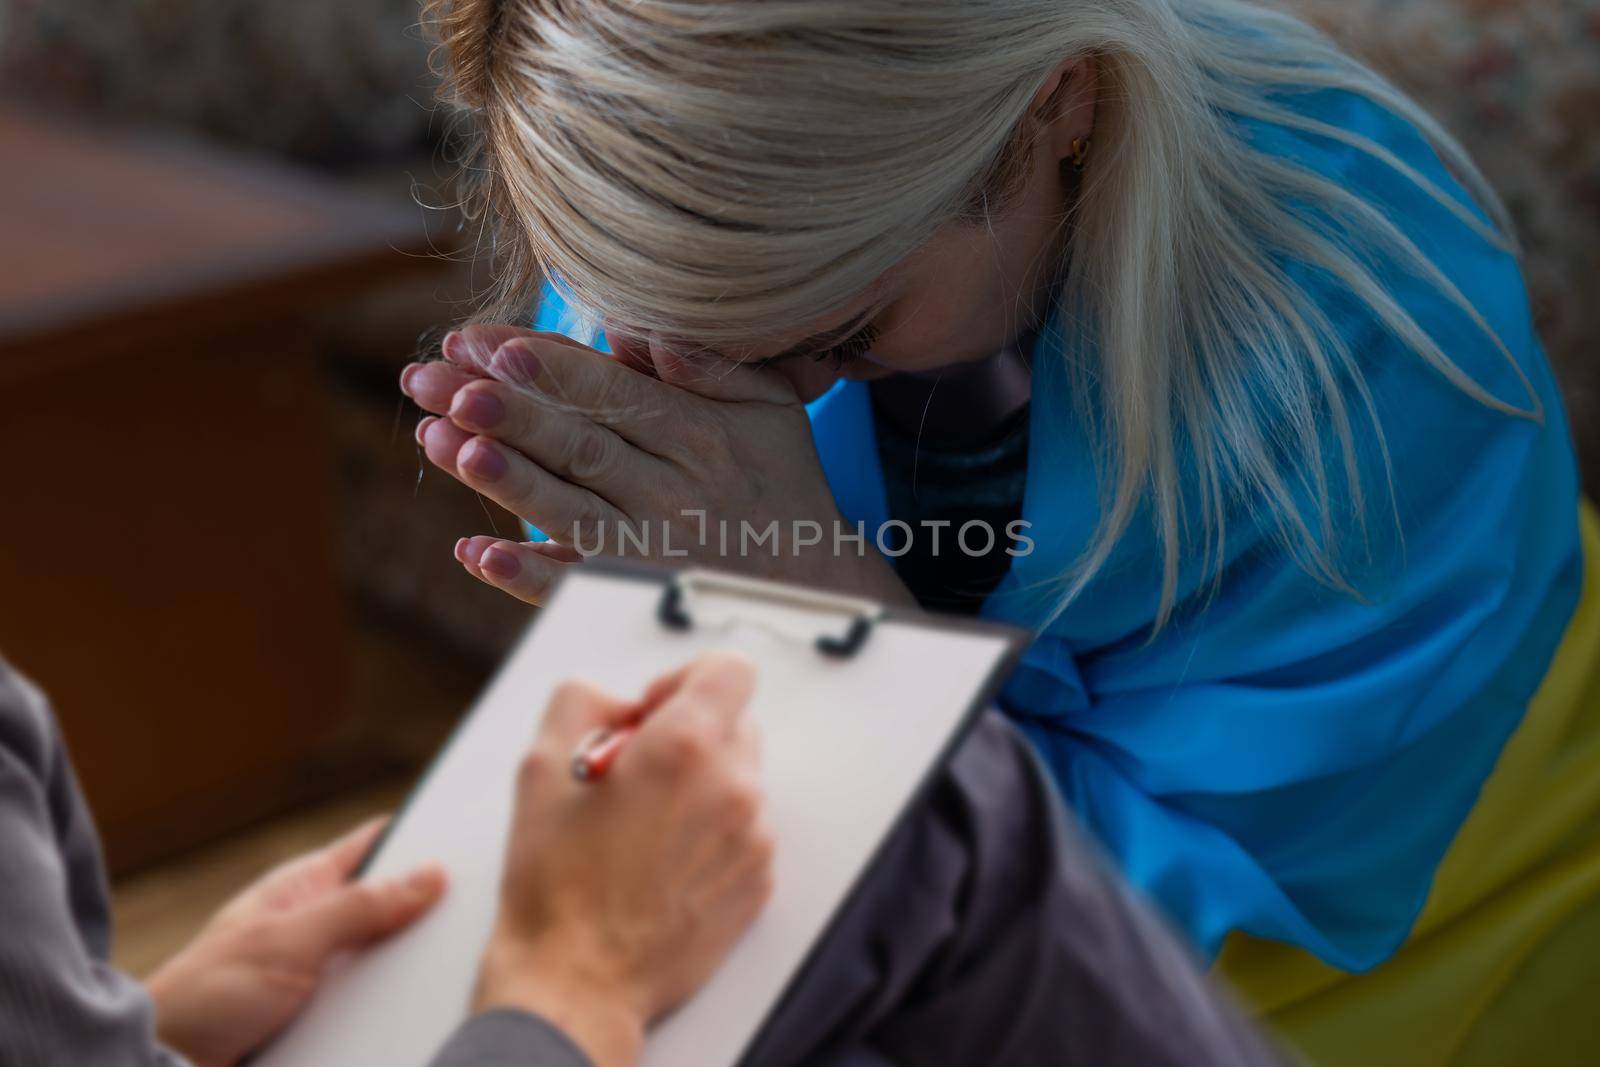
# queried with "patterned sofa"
point(1519, 82)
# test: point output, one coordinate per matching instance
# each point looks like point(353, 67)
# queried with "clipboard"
point(859, 707)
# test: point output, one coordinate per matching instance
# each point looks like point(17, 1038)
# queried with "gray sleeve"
point(506, 1038)
point(991, 931)
point(60, 1001)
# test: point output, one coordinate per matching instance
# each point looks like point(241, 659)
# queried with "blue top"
point(1287, 760)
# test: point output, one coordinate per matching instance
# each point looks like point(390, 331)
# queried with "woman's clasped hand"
point(651, 453)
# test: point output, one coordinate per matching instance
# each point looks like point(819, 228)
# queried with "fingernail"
point(482, 460)
point(515, 363)
point(451, 348)
point(422, 427)
point(461, 550)
point(476, 409)
point(500, 562)
point(406, 375)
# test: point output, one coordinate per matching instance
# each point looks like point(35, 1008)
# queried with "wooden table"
point(166, 555)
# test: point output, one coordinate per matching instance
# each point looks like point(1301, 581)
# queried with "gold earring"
point(1080, 153)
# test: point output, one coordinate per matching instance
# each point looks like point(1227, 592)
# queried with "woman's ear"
point(1065, 106)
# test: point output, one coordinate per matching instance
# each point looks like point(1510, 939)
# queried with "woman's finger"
point(473, 346)
point(531, 492)
point(569, 445)
point(434, 385)
point(470, 550)
point(525, 571)
point(520, 486)
point(591, 386)
point(441, 442)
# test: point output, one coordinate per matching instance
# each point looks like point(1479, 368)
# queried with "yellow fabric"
point(1504, 964)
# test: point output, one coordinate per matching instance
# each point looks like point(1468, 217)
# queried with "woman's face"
point(962, 296)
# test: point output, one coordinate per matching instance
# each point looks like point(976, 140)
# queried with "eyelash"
point(850, 349)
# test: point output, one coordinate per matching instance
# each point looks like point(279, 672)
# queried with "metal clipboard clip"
point(863, 614)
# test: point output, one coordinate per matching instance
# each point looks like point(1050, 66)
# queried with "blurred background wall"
point(218, 247)
point(339, 90)
point(319, 109)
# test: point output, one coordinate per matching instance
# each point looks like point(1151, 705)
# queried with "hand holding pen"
point(669, 809)
point(598, 749)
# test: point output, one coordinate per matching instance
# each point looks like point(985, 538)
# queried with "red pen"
point(597, 751)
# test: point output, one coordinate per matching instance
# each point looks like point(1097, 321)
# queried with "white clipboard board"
point(858, 709)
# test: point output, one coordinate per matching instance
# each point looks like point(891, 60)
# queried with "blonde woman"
point(1212, 344)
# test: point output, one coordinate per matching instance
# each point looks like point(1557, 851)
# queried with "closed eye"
point(851, 349)
point(843, 343)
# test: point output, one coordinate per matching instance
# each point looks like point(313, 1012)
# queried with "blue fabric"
point(1283, 759)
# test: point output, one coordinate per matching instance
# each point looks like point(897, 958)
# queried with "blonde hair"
point(718, 169)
